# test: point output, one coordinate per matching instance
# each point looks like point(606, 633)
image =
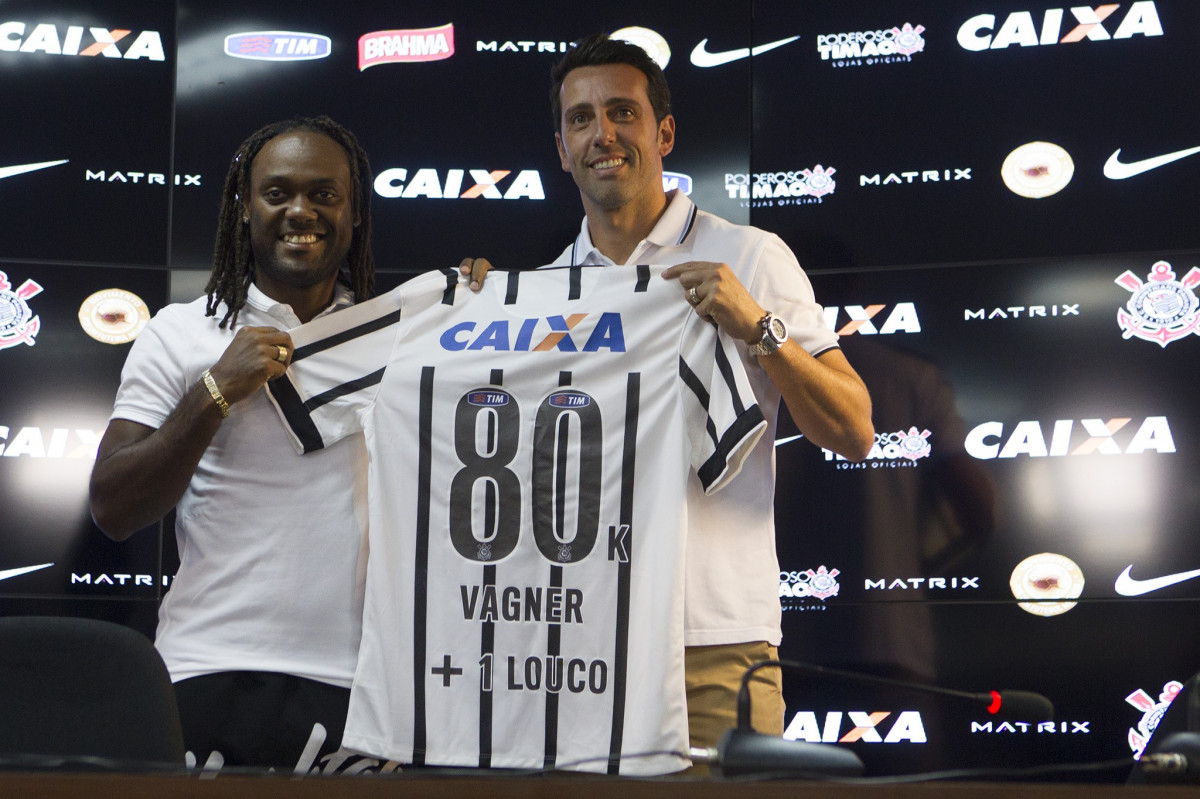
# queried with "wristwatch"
point(774, 333)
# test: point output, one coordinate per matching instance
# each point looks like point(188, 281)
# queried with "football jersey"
point(530, 449)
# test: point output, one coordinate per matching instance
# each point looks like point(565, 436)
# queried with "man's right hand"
point(251, 359)
point(476, 269)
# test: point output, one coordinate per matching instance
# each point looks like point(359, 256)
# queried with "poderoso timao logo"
point(884, 46)
point(18, 324)
point(1162, 309)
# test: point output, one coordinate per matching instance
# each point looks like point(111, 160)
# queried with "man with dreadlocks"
point(261, 626)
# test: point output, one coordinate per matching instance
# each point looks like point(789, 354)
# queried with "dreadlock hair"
point(599, 50)
point(233, 257)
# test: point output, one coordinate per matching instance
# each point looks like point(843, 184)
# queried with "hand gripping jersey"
point(530, 450)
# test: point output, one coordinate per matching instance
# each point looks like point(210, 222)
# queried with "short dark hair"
point(598, 50)
point(233, 258)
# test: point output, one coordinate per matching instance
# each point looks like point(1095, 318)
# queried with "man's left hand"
point(476, 269)
point(719, 296)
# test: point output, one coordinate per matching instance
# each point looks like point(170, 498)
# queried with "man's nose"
point(606, 131)
point(300, 207)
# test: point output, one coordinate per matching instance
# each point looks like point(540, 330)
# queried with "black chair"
point(84, 694)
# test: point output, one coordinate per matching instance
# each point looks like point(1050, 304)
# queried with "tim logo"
point(18, 325)
point(861, 319)
point(277, 46)
point(543, 334)
point(677, 180)
point(569, 399)
point(488, 399)
point(1161, 309)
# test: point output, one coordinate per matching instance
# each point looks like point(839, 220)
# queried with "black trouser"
point(260, 719)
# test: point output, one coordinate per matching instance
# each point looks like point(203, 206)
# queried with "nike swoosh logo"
point(1127, 586)
point(781, 441)
point(4, 575)
point(703, 58)
point(1115, 170)
point(20, 169)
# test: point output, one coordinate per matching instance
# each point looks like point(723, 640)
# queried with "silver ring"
point(693, 297)
point(282, 354)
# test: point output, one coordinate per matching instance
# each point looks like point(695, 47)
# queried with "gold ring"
point(283, 353)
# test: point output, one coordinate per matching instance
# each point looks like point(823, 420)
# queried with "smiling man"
point(613, 127)
point(261, 625)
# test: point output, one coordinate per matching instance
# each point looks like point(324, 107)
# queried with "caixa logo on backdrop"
point(859, 726)
point(900, 318)
point(459, 184)
point(1066, 437)
point(77, 40)
point(1032, 29)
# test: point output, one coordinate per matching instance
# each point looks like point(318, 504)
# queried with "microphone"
point(1176, 760)
point(1018, 705)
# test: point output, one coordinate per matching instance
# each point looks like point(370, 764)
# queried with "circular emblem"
point(1163, 303)
point(1044, 578)
point(485, 552)
point(564, 553)
point(650, 41)
point(14, 312)
point(114, 316)
point(1037, 169)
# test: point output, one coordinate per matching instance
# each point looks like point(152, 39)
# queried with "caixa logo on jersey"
point(1066, 437)
point(76, 40)
point(18, 324)
point(432, 184)
point(1024, 29)
point(900, 318)
point(901, 449)
point(859, 726)
point(573, 333)
point(1162, 309)
point(277, 46)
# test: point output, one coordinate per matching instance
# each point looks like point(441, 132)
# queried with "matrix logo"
point(1021, 311)
point(900, 319)
point(146, 178)
point(865, 727)
point(76, 40)
point(1025, 727)
point(988, 440)
point(58, 442)
point(871, 47)
point(915, 176)
point(796, 187)
point(278, 46)
point(916, 583)
point(893, 450)
point(1162, 309)
point(405, 46)
point(552, 333)
point(18, 325)
point(1020, 28)
point(427, 183)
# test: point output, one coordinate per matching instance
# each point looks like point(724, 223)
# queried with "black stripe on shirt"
point(421, 558)
point(346, 335)
point(451, 286)
point(716, 464)
point(688, 227)
point(702, 396)
point(624, 573)
point(510, 294)
point(295, 414)
point(487, 647)
point(643, 278)
point(576, 288)
point(349, 387)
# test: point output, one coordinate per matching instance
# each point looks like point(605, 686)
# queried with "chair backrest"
point(82, 688)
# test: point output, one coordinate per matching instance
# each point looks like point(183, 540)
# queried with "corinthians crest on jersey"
point(1162, 308)
point(18, 325)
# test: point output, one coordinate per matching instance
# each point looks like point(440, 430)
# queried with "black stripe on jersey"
point(451, 286)
point(715, 466)
point(510, 293)
point(295, 414)
point(643, 278)
point(365, 328)
point(621, 649)
point(702, 396)
point(554, 631)
point(688, 227)
point(421, 557)
point(325, 397)
point(722, 359)
point(487, 648)
point(576, 289)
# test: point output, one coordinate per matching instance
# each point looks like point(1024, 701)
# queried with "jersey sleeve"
point(152, 379)
point(782, 287)
point(724, 421)
point(337, 366)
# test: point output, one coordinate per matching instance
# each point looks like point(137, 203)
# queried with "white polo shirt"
point(732, 571)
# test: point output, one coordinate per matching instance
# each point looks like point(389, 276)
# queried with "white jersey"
point(530, 451)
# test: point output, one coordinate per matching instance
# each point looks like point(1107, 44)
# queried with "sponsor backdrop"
point(993, 200)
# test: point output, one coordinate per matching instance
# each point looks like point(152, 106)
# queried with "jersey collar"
point(672, 229)
point(342, 298)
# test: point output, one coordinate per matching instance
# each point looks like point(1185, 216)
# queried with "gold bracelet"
point(218, 398)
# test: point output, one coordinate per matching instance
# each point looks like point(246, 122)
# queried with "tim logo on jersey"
point(574, 333)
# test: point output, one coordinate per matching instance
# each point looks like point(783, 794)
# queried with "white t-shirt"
point(530, 449)
point(271, 544)
point(732, 582)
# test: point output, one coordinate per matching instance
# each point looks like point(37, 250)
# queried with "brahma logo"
point(553, 333)
point(1152, 714)
point(44, 38)
point(405, 46)
point(278, 46)
point(1019, 27)
point(906, 726)
point(900, 449)
point(1029, 439)
point(885, 46)
point(901, 319)
point(1163, 309)
point(18, 324)
point(527, 184)
point(769, 189)
point(33, 442)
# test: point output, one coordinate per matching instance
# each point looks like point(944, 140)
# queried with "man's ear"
point(563, 160)
point(666, 135)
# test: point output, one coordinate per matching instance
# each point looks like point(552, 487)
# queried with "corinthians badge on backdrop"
point(18, 325)
point(1161, 309)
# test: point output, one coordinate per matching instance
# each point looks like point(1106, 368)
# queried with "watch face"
point(776, 329)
